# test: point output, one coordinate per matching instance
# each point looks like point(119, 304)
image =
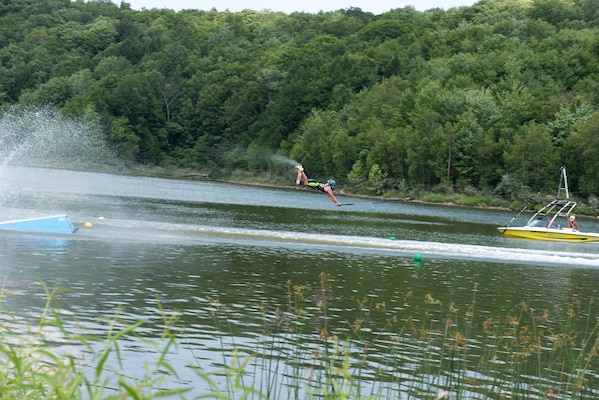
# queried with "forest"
point(492, 98)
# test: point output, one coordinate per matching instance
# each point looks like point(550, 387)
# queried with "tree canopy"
point(471, 97)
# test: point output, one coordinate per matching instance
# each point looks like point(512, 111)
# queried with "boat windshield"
point(541, 222)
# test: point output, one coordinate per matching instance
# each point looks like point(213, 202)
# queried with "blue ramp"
point(53, 224)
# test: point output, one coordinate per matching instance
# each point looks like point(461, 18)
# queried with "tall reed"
point(308, 350)
point(52, 361)
point(447, 351)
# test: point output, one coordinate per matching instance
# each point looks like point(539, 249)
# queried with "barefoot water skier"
point(328, 187)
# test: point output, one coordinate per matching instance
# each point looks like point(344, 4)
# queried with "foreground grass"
point(304, 353)
point(45, 361)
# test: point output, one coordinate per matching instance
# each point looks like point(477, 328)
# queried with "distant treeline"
point(493, 97)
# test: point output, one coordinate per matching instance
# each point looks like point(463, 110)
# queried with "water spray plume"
point(44, 137)
point(285, 160)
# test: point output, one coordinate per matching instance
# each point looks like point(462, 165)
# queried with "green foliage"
point(377, 179)
point(532, 157)
point(34, 366)
point(357, 175)
point(460, 97)
point(584, 155)
point(304, 351)
point(512, 188)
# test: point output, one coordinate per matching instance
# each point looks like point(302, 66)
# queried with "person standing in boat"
point(572, 224)
point(302, 180)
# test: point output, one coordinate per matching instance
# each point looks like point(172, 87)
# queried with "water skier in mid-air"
point(328, 187)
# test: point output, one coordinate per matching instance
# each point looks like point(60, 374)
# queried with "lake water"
point(223, 256)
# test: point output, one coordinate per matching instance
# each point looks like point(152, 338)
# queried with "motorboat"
point(546, 224)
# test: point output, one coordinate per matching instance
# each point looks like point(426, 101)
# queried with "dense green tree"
point(313, 147)
point(581, 156)
point(497, 94)
point(556, 12)
point(567, 120)
point(531, 157)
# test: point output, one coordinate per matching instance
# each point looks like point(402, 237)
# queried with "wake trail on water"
point(191, 234)
point(435, 249)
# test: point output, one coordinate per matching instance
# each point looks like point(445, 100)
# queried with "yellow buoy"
point(88, 224)
point(100, 217)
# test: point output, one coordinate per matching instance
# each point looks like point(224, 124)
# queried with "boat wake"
point(194, 234)
point(428, 249)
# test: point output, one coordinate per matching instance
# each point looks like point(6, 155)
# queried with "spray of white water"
point(285, 160)
point(44, 137)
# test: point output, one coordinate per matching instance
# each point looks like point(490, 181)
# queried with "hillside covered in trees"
point(493, 97)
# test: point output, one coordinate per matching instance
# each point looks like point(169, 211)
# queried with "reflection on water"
point(224, 257)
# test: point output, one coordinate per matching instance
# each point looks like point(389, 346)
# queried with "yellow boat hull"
point(549, 234)
point(543, 225)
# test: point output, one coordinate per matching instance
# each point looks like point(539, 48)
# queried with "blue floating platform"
point(53, 224)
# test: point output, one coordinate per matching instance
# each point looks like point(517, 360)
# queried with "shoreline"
point(362, 196)
point(584, 209)
point(184, 174)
